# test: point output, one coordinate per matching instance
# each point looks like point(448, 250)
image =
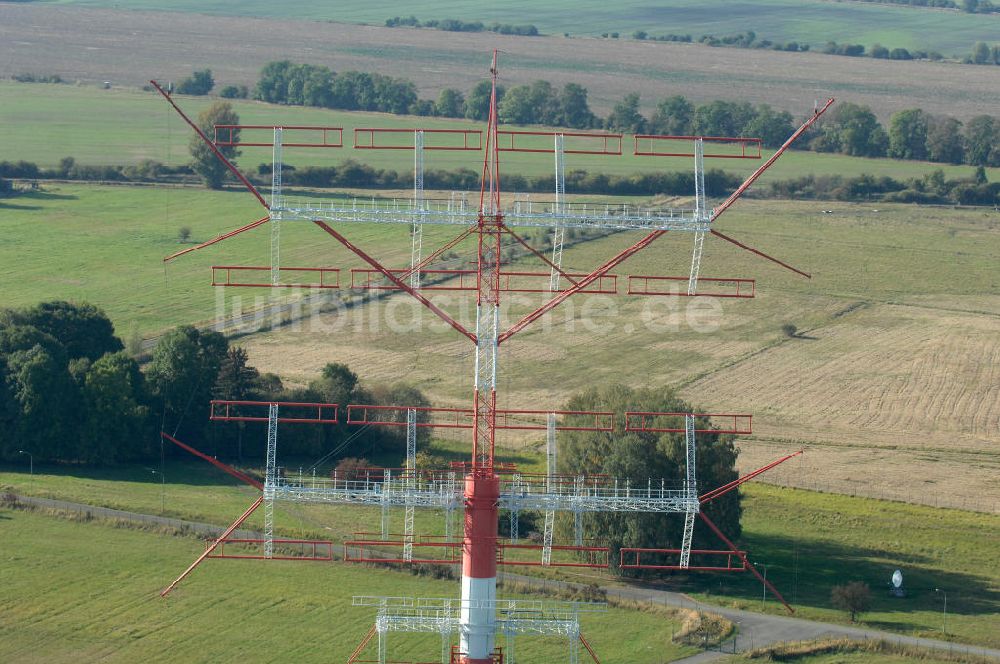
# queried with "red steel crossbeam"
point(215, 462)
point(303, 412)
point(522, 420)
point(717, 212)
point(218, 153)
point(654, 422)
point(372, 551)
point(578, 286)
point(225, 534)
point(220, 238)
point(223, 275)
point(361, 133)
point(597, 555)
point(395, 416)
point(608, 144)
point(225, 137)
point(743, 556)
point(638, 564)
point(726, 488)
point(468, 280)
point(321, 550)
point(642, 284)
point(364, 551)
point(461, 418)
point(742, 144)
point(396, 280)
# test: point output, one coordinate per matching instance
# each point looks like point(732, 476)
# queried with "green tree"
point(673, 117)
point(574, 108)
point(854, 597)
point(16, 336)
point(772, 127)
point(234, 92)
point(722, 118)
point(625, 116)
point(450, 103)
point(336, 384)
point(83, 329)
point(853, 130)
point(944, 140)
point(115, 414)
point(46, 399)
point(981, 54)
point(531, 104)
point(637, 457)
point(199, 83)
point(181, 376)
point(205, 163)
point(908, 135)
point(477, 104)
point(272, 86)
point(982, 141)
point(236, 381)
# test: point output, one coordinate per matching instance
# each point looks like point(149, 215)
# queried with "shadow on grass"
point(189, 473)
point(15, 206)
point(43, 195)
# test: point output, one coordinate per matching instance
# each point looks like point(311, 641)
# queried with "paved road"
point(754, 629)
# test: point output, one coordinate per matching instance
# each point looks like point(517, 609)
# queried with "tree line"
point(70, 392)
point(850, 129)
point(455, 25)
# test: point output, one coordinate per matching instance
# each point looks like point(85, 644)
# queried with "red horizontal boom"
point(674, 422)
point(289, 412)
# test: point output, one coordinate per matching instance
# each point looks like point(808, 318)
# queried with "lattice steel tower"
point(483, 486)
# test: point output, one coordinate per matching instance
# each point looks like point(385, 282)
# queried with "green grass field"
point(857, 658)
point(44, 123)
point(112, 241)
point(82, 592)
point(812, 22)
point(808, 542)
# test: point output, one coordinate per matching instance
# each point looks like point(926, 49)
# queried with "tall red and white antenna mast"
point(478, 616)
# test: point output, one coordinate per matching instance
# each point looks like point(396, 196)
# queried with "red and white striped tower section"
point(477, 621)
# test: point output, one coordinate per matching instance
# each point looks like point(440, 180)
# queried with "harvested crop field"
point(129, 47)
point(894, 401)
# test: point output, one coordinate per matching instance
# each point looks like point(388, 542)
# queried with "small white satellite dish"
point(897, 579)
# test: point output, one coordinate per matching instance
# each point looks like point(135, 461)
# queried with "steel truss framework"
point(481, 489)
point(442, 616)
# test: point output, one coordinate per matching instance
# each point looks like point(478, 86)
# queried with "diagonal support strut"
point(218, 153)
point(220, 238)
point(225, 534)
point(578, 286)
point(395, 280)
